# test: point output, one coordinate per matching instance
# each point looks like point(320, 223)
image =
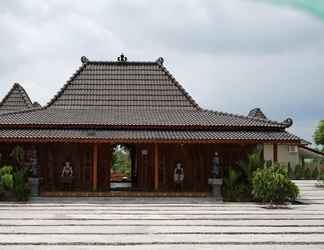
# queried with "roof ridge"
point(121, 63)
point(68, 82)
point(24, 95)
point(179, 86)
point(22, 92)
point(28, 110)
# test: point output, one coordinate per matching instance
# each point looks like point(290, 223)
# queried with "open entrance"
point(123, 172)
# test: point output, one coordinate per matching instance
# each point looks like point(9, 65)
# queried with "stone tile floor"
point(162, 223)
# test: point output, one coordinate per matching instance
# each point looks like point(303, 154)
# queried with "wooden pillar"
point(95, 167)
point(275, 152)
point(156, 167)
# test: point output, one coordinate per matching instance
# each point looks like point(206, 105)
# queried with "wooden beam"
point(95, 167)
point(156, 167)
point(143, 141)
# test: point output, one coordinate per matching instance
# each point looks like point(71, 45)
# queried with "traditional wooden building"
point(141, 105)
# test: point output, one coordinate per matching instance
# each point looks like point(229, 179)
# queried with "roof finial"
point(160, 61)
point(289, 122)
point(257, 113)
point(122, 58)
point(84, 59)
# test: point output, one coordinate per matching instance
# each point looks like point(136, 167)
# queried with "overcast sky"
point(231, 55)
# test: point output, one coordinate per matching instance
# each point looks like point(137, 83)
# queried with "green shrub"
point(14, 184)
point(6, 170)
point(299, 172)
point(308, 174)
point(22, 189)
point(315, 173)
point(252, 163)
point(273, 185)
point(7, 181)
point(234, 188)
point(18, 154)
point(6, 178)
point(237, 182)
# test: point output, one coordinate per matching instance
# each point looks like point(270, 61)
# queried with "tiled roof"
point(16, 99)
point(132, 118)
point(131, 85)
point(135, 101)
point(146, 135)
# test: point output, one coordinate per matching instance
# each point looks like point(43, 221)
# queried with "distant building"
point(16, 99)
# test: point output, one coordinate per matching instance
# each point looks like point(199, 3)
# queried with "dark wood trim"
point(95, 168)
point(156, 167)
point(312, 150)
point(275, 127)
point(145, 141)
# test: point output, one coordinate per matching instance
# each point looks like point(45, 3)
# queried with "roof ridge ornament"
point(122, 58)
point(257, 113)
point(160, 61)
point(84, 59)
point(288, 122)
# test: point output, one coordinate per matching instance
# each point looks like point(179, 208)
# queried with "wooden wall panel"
point(196, 160)
point(104, 166)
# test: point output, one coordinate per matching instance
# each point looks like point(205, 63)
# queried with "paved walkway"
point(158, 223)
point(309, 193)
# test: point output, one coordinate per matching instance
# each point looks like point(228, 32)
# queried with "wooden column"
point(275, 152)
point(156, 167)
point(95, 167)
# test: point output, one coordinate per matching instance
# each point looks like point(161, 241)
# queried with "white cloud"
point(231, 55)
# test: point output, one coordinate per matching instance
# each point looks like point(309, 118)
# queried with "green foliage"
point(252, 163)
point(18, 154)
point(234, 187)
point(6, 177)
point(315, 173)
point(319, 133)
point(7, 181)
point(308, 174)
point(6, 170)
point(121, 161)
point(238, 180)
point(299, 172)
point(14, 184)
point(273, 185)
point(21, 187)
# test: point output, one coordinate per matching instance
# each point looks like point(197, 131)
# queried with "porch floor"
point(124, 194)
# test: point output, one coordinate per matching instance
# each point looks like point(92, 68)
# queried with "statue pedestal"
point(216, 184)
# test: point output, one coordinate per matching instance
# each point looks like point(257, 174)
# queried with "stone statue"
point(215, 166)
point(67, 170)
point(178, 176)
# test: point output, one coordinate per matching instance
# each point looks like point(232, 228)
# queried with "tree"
point(121, 161)
point(319, 134)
